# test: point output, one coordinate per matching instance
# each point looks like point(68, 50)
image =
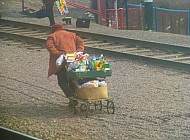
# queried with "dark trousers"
point(65, 83)
point(148, 16)
point(50, 14)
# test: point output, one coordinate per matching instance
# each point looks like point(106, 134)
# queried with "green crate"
point(88, 74)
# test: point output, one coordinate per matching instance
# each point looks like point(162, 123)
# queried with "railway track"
point(34, 37)
point(15, 34)
point(9, 134)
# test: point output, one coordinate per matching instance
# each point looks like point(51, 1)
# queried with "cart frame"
point(86, 103)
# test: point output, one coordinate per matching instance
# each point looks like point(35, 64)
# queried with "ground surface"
point(151, 102)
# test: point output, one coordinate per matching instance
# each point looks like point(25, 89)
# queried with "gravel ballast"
point(151, 102)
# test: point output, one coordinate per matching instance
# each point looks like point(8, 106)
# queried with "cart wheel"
point(75, 110)
point(98, 105)
point(84, 108)
point(110, 107)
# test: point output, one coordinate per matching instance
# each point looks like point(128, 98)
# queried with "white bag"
point(59, 61)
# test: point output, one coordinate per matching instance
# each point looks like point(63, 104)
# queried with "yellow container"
point(96, 64)
point(97, 68)
point(70, 56)
point(91, 93)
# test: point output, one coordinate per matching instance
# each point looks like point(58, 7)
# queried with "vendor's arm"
point(79, 44)
point(51, 47)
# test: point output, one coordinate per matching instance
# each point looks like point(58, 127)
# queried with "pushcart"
point(91, 98)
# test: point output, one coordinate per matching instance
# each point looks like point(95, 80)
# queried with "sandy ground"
point(151, 102)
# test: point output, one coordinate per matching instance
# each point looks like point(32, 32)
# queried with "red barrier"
point(84, 8)
point(133, 18)
point(110, 19)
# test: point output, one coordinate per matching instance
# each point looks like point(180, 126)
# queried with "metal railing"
point(164, 20)
point(8, 134)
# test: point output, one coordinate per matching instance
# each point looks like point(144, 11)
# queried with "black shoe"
point(72, 103)
point(75, 102)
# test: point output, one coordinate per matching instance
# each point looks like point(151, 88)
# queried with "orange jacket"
point(62, 42)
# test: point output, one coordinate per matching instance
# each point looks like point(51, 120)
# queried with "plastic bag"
point(59, 61)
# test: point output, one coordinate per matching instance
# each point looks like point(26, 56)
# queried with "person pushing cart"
point(61, 42)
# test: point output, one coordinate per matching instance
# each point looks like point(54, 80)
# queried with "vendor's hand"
point(77, 53)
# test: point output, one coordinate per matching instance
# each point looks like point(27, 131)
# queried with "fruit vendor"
point(61, 42)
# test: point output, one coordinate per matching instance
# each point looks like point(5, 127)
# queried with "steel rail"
point(8, 134)
point(148, 44)
point(174, 56)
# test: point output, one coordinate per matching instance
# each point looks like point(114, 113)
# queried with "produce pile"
point(79, 62)
point(87, 73)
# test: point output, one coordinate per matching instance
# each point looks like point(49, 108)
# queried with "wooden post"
point(23, 6)
point(107, 14)
point(116, 13)
point(126, 13)
point(99, 9)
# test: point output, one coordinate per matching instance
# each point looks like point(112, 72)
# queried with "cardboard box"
point(90, 93)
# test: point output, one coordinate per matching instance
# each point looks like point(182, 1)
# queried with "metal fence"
point(172, 21)
point(164, 20)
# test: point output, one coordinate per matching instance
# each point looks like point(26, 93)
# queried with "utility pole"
point(188, 8)
point(148, 14)
point(99, 9)
point(107, 13)
point(23, 6)
point(116, 13)
point(141, 16)
point(127, 16)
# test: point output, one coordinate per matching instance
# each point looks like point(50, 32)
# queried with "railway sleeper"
point(168, 56)
point(180, 58)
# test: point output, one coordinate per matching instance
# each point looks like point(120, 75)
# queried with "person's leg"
point(50, 14)
point(63, 83)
